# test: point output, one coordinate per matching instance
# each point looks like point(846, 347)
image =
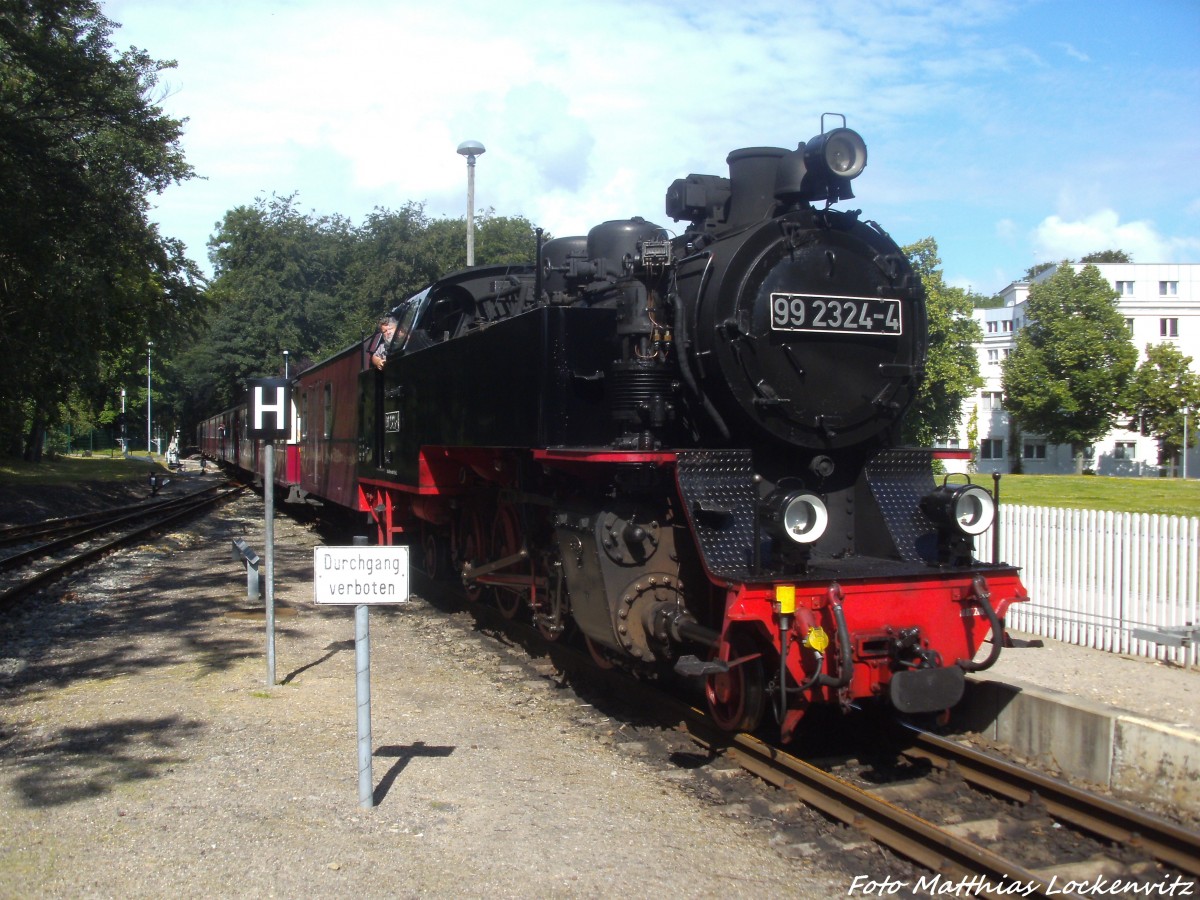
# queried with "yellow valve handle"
point(816, 639)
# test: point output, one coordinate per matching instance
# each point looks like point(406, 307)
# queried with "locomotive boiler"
point(684, 449)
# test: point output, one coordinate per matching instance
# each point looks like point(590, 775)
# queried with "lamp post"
point(471, 149)
point(124, 441)
point(149, 445)
point(285, 363)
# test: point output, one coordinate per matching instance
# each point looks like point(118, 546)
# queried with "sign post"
point(269, 420)
point(361, 575)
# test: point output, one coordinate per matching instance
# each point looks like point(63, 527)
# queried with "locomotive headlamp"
point(799, 515)
point(968, 508)
point(841, 152)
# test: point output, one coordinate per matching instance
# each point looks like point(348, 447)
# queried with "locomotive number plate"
point(845, 315)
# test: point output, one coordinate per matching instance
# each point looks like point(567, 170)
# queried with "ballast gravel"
point(144, 754)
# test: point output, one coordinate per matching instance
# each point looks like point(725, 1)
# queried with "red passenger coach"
point(324, 452)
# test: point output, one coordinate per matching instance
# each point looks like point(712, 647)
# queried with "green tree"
point(1035, 270)
point(1068, 374)
point(1163, 387)
point(1107, 256)
point(86, 278)
point(279, 283)
point(313, 285)
point(952, 370)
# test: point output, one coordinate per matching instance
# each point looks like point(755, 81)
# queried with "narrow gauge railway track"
point(981, 857)
point(64, 526)
point(94, 539)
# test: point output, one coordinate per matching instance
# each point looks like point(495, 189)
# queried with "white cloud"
point(1056, 238)
point(589, 110)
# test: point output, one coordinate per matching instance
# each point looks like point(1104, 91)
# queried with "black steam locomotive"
point(685, 448)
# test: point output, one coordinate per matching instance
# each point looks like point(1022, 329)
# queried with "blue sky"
point(1012, 131)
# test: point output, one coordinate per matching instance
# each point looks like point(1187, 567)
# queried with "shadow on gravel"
point(83, 763)
point(156, 625)
point(404, 755)
point(333, 648)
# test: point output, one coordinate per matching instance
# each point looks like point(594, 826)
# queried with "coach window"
point(328, 409)
point(304, 415)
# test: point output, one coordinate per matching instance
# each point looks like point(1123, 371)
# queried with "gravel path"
point(142, 754)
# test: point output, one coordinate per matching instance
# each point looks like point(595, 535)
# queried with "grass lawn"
point(1165, 496)
point(73, 469)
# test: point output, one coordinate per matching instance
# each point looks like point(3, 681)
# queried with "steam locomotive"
point(682, 449)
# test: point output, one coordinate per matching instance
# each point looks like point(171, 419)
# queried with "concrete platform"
point(1126, 723)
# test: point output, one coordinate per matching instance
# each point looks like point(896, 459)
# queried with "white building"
point(1160, 302)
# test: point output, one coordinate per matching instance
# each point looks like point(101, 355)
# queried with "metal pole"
point(149, 446)
point(362, 667)
point(470, 210)
point(1186, 411)
point(269, 541)
point(471, 149)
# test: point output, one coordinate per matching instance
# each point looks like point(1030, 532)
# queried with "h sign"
point(270, 409)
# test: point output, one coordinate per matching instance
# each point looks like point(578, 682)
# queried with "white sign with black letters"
point(360, 575)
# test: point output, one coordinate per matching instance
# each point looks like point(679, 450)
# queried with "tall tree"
point(87, 279)
point(1068, 374)
point(1164, 386)
point(952, 371)
point(279, 283)
point(312, 284)
point(1107, 256)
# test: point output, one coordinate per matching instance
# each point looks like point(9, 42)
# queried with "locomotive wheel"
point(435, 555)
point(737, 698)
point(470, 549)
point(599, 654)
point(506, 541)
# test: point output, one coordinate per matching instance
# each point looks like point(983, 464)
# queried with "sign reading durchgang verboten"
point(360, 575)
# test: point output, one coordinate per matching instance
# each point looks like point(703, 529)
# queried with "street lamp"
point(471, 149)
point(124, 441)
point(149, 446)
point(285, 363)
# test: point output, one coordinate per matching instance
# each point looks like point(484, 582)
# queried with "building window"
point(1125, 450)
point(1008, 325)
point(993, 400)
point(1035, 451)
point(1129, 325)
point(993, 357)
point(991, 448)
point(1168, 327)
point(1125, 288)
point(1168, 288)
point(991, 327)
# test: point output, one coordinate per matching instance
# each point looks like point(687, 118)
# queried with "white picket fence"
point(1096, 578)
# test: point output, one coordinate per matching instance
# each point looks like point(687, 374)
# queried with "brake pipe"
point(983, 596)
